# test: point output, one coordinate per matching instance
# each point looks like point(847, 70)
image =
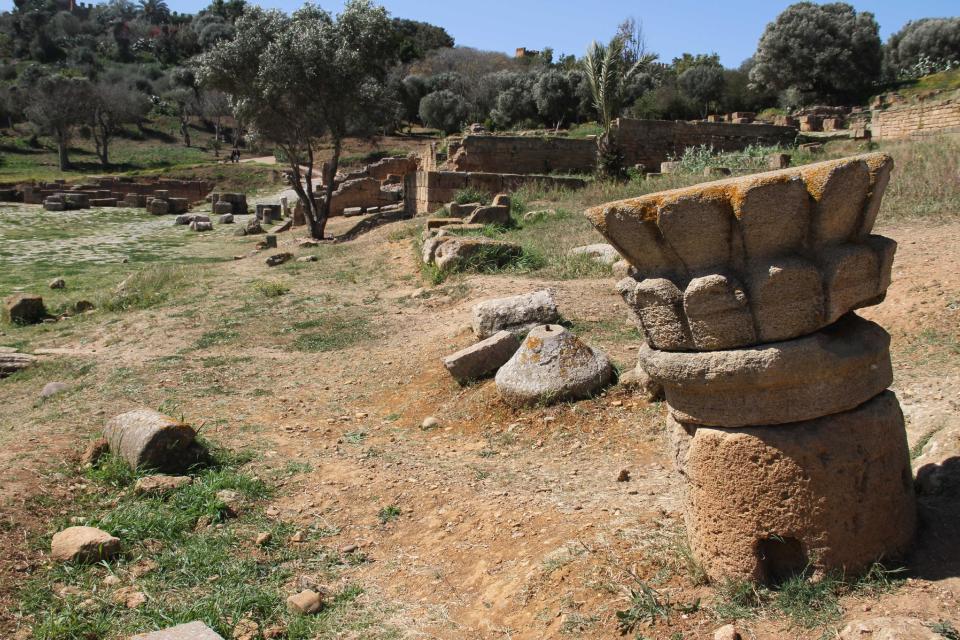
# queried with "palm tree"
point(608, 71)
point(155, 11)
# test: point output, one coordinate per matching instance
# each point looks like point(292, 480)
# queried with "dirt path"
point(509, 524)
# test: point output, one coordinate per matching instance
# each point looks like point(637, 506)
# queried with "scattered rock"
point(232, 502)
point(11, 362)
point(129, 597)
point(253, 228)
point(429, 423)
point(639, 381)
point(263, 538)
point(58, 283)
point(226, 218)
point(82, 306)
point(24, 309)
point(157, 485)
point(53, 388)
point(483, 358)
point(892, 628)
point(83, 544)
point(622, 269)
point(349, 548)
point(197, 225)
point(532, 216)
point(94, 451)
point(147, 438)
point(624, 475)
point(246, 629)
point(305, 602)
point(552, 365)
point(278, 259)
point(458, 252)
point(516, 314)
point(297, 536)
point(307, 259)
point(600, 252)
point(726, 632)
point(190, 631)
point(499, 215)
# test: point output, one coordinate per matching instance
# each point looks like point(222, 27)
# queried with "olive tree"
point(928, 44)
point(827, 52)
point(702, 84)
point(56, 105)
point(111, 106)
point(294, 79)
point(444, 110)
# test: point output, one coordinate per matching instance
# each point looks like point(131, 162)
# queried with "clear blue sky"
point(728, 27)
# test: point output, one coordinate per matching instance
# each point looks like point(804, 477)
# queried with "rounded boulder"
point(552, 365)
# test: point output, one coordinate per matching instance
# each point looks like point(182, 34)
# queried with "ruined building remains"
point(793, 451)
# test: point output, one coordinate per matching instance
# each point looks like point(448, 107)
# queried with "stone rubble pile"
point(794, 453)
point(448, 245)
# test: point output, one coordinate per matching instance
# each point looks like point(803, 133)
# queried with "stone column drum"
point(793, 450)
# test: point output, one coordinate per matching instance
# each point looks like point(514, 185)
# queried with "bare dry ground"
point(498, 523)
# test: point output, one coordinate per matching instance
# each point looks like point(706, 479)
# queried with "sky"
point(728, 27)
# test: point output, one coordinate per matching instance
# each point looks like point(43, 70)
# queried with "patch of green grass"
point(211, 573)
point(388, 513)
point(945, 630)
point(646, 605)
point(469, 195)
point(330, 332)
point(145, 288)
point(216, 337)
point(271, 289)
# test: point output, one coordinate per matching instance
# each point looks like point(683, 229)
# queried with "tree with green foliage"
point(556, 97)
point(828, 52)
point(416, 39)
point(444, 110)
point(702, 84)
point(927, 45)
point(297, 78)
point(607, 74)
point(111, 107)
point(56, 105)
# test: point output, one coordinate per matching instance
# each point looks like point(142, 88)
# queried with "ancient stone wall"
point(522, 154)
point(923, 119)
point(119, 189)
point(362, 192)
point(650, 142)
point(646, 142)
point(429, 190)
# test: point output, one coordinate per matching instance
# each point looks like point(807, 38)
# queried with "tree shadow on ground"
point(936, 553)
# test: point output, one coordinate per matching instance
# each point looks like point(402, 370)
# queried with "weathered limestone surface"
point(483, 358)
point(24, 308)
point(189, 631)
point(762, 502)
point(517, 314)
point(832, 370)
point(761, 258)
point(83, 544)
point(550, 366)
point(12, 362)
point(147, 438)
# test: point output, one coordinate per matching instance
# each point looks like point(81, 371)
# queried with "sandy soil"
point(513, 523)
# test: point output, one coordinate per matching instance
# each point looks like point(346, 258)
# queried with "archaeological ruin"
point(793, 452)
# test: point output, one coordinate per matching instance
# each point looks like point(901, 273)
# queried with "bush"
point(444, 110)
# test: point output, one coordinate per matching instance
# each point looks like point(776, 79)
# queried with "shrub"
point(444, 110)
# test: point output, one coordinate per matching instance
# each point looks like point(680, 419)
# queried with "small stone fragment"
point(160, 484)
point(190, 631)
point(726, 632)
point(58, 283)
point(53, 388)
point(429, 423)
point(263, 538)
point(279, 258)
point(483, 358)
point(623, 476)
point(305, 603)
point(83, 544)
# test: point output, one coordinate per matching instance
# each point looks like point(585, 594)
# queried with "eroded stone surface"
point(517, 314)
point(147, 438)
point(835, 493)
point(797, 242)
point(832, 370)
point(83, 544)
point(190, 631)
point(483, 358)
point(550, 366)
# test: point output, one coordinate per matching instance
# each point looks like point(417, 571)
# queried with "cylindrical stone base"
point(763, 503)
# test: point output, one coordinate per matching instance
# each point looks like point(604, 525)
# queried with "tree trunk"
point(62, 156)
point(328, 186)
point(185, 130)
point(104, 153)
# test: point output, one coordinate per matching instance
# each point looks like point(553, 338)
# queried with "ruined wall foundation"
point(793, 451)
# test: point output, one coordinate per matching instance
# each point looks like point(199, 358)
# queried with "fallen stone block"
point(600, 252)
point(198, 225)
point(278, 259)
point(226, 218)
point(552, 365)
point(190, 631)
point(483, 358)
point(11, 363)
point(222, 208)
point(832, 370)
point(24, 309)
point(83, 544)
point(516, 314)
point(436, 223)
point(147, 438)
point(889, 628)
point(158, 207)
point(462, 210)
point(466, 252)
point(184, 219)
point(305, 603)
point(498, 215)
